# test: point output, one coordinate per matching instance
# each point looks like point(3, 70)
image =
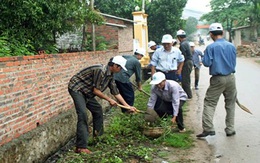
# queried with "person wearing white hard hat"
point(122, 78)
point(197, 56)
point(167, 59)
point(174, 42)
point(172, 98)
point(152, 45)
point(84, 87)
point(188, 65)
point(220, 57)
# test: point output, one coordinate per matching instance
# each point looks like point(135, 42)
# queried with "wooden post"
point(93, 29)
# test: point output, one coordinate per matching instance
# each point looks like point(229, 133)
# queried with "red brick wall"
point(33, 89)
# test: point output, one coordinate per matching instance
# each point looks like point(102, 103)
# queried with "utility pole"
point(93, 29)
point(143, 6)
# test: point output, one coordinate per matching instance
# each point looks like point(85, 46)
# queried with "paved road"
point(244, 147)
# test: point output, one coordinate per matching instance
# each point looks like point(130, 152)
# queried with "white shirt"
point(167, 61)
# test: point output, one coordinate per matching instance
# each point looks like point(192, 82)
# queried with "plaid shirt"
point(96, 76)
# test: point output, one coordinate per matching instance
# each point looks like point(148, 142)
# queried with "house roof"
point(115, 17)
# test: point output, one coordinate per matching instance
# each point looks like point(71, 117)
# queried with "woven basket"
point(153, 132)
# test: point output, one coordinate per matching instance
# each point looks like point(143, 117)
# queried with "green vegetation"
point(123, 140)
point(120, 8)
point(27, 26)
point(235, 13)
point(165, 19)
point(257, 61)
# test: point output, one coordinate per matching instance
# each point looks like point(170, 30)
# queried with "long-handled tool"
point(238, 103)
point(243, 107)
point(138, 111)
point(150, 114)
point(141, 90)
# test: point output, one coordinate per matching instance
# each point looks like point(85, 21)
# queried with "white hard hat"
point(215, 27)
point(158, 77)
point(174, 40)
point(140, 51)
point(121, 61)
point(181, 33)
point(167, 38)
point(191, 43)
point(151, 43)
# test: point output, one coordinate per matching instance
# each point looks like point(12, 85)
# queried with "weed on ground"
point(124, 142)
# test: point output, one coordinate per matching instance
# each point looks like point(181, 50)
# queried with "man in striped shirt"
point(83, 87)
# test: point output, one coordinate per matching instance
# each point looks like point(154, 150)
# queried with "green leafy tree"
point(31, 24)
point(234, 12)
point(164, 17)
point(191, 24)
point(120, 8)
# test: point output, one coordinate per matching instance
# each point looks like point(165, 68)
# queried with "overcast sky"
point(196, 8)
point(198, 5)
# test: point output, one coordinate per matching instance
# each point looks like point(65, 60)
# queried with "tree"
point(164, 17)
point(191, 24)
point(120, 8)
point(34, 24)
point(243, 12)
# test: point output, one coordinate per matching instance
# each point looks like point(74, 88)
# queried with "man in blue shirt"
point(122, 78)
point(197, 55)
point(220, 57)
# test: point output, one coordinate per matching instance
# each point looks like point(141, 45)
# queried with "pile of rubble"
point(248, 50)
point(244, 50)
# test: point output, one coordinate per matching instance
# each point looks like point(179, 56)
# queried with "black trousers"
point(127, 92)
point(165, 109)
point(82, 104)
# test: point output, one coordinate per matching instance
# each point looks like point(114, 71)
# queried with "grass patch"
point(257, 61)
point(123, 140)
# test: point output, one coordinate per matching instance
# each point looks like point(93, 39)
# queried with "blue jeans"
point(82, 103)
